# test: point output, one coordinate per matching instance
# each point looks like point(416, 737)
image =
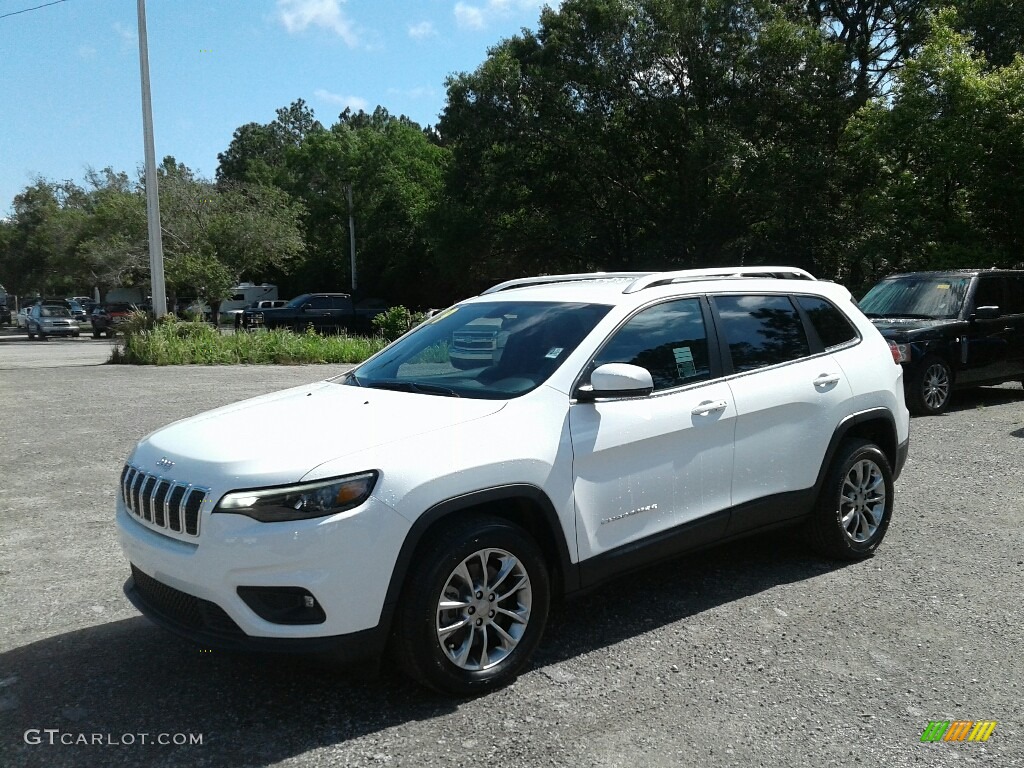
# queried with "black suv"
point(955, 329)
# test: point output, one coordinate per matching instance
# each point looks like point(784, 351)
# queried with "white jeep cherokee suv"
point(437, 508)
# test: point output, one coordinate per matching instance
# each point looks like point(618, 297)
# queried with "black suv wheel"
point(929, 387)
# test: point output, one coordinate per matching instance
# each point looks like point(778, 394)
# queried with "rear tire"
point(95, 333)
point(474, 607)
point(854, 507)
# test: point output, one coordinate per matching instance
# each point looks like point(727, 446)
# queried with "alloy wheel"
point(484, 609)
point(935, 386)
point(862, 504)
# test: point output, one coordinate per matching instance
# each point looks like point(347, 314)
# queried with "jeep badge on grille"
point(165, 463)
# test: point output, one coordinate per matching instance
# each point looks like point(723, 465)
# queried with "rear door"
point(647, 465)
point(790, 395)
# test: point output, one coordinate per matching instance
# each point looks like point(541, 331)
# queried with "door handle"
point(709, 406)
point(826, 380)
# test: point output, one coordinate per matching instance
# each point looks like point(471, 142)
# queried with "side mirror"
point(986, 313)
point(617, 380)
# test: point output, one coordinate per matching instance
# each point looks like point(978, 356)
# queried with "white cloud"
point(127, 34)
point(422, 30)
point(355, 103)
point(469, 16)
point(480, 16)
point(300, 15)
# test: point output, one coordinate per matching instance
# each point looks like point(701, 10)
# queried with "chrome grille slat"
point(146, 496)
point(162, 504)
point(174, 507)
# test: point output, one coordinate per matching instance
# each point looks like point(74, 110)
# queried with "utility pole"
point(156, 247)
point(352, 238)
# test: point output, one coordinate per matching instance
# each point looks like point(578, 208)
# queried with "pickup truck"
point(325, 312)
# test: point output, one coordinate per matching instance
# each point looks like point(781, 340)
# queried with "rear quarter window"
point(832, 326)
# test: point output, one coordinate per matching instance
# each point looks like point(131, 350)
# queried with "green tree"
point(943, 162)
point(216, 235)
point(630, 134)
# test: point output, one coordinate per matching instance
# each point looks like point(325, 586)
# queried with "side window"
point(669, 340)
point(990, 292)
point(832, 325)
point(319, 302)
point(761, 330)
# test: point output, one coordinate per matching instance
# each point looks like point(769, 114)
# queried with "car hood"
point(894, 327)
point(281, 437)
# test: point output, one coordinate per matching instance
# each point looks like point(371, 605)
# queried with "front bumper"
point(191, 585)
point(59, 330)
point(206, 624)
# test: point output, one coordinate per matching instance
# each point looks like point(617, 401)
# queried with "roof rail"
point(664, 278)
point(519, 282)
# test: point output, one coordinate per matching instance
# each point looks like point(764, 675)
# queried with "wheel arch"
point(522, 504)
point(877, 425)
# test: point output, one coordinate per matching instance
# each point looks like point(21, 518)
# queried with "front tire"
point(854, 507)
point(474, 607)
point(930, 387)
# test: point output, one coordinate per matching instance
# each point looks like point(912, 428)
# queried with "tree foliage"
point(850, 137)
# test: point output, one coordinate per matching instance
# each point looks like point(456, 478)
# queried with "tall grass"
point(173, 342)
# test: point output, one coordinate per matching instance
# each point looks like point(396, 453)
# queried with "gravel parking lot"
point(754, 654)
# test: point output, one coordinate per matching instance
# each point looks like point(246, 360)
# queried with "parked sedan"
point(51, 320)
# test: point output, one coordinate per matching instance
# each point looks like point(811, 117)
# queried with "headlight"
point(302, 501)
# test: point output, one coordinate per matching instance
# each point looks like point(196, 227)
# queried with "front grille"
point(162, 503)
point(181, 608)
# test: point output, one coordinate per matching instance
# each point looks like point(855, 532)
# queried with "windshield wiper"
point(898, 316)
point(412, 386)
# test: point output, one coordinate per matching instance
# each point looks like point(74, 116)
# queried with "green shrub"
point(170, 341)
point(393, 322)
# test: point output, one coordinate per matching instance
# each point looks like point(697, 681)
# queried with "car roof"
point(639, 288)
point(965, 272)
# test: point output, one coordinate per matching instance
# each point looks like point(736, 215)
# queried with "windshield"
point(495, 350)
point(54, 312)
point(298, 301)
point(916, 297)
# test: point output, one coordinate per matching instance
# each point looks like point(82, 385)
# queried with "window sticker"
point(554, 352)
point(684, 362)
point(942, 287)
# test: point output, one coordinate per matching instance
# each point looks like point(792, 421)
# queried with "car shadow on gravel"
point(129, 677)
point(676, 590)
point(984, 397)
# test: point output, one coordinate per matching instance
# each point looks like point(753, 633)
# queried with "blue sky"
point(71, 96)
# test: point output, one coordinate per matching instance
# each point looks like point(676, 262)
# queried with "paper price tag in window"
point(684, 362)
